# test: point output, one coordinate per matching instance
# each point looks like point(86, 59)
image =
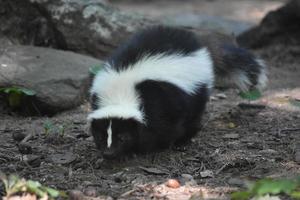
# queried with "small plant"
point(251, 95)
point(62, 128)
point(15, 95)
point(48, 126)
point(15, 186)
point(95, 69)
point(295, 102)
point(59, 129)
point(270, 186)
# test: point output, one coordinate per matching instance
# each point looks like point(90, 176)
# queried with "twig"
point(222, 168)
point(28, 137)
point(128, 193)
point(289, 129)
point(251, 106)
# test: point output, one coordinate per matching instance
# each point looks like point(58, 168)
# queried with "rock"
point(89, 27)
point(63, 158)
point(206, 174)
point(213, 23)
point(59, 78)
point(90, 191)
point(23, 23)
point(173, 183)
point(154, 171)
point(221, 96)
point(18, 135)
point(33, 160)
point(24, 148)
point(280, 26)
point(231, 136)
point(268, 151)
point(236, 182)
point(297, 156)
point(187, 177)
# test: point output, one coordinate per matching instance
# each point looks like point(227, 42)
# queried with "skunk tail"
point(237, 67)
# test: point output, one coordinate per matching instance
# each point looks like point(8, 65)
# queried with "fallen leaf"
point(154, 171)
point(63, 158)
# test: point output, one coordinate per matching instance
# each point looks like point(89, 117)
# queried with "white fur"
point(262, 77)
point(242, 81)
point(116, 90)
point(109, 135)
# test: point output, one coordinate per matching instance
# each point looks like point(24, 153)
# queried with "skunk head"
point(114, 136)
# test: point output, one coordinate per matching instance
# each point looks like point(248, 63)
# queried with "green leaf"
point(295, 195)
point(18, 90)
point(34, 187)
point(3, 178)
point(243, 195)
point(12, 180)
point(95, 69)
point(52, 192)
point(251, 94)
point(295, 102)
point(33, 184)
point(28, 92)
point(14, 99)
point(12, 90)
point(269, 186)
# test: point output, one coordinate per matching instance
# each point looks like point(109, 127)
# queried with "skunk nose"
point(109, 154)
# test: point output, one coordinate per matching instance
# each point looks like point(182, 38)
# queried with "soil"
point(239, 141)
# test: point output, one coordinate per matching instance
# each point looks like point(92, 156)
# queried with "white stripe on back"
point(117, 93)
point(109, 135)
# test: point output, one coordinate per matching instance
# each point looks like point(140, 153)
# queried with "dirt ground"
point(238, 143)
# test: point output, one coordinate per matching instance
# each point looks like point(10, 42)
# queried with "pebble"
point(98, 163)
point(297, 156)
point(207, 174)
point(25, 148)
point(231, 136)
point(221, 96)
point(268, 151)
point(18, 136)
point(76, 195)
point(90, 191)
point(33, 160)
point(236, 182)
point(212, 98)
point(187, 177)
point(173, 183)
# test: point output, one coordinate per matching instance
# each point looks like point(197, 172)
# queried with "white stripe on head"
point(109, 135)
point(116, 89)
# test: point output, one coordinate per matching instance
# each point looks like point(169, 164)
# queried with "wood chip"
point(154, 171)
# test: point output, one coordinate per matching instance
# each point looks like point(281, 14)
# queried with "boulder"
point(213, 23)
point(59, 78)
point(90, 27)
point(278, 27)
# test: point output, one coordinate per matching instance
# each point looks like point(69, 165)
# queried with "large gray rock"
point(213, 23)
point(281, 26)
point(59, 78)
point(89, 27)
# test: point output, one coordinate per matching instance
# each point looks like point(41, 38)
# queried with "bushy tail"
point(235, 66)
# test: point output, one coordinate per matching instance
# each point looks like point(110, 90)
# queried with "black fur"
point(172, 116)
point(152, 41)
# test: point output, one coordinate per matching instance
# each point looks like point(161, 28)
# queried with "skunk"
point(153, 89)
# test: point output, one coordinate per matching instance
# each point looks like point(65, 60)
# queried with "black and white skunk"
point(153, 90)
